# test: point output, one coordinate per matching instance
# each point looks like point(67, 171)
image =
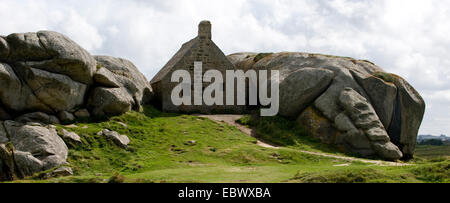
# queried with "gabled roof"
point(174, 60)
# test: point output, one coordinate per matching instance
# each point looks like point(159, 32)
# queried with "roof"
point(174, 60)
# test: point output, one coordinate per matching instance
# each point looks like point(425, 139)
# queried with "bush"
point(247, 120)
point(280, 131)
point(116, 178)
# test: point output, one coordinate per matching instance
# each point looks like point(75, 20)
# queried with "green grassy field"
point(183, 148)
point(432, 152)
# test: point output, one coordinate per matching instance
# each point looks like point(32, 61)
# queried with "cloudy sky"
point(410, 38)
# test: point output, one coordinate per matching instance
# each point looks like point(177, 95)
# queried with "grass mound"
point(283, 132)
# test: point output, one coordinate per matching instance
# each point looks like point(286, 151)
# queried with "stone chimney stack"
point(204, 30)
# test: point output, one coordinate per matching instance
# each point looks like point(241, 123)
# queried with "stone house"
point(203, 49)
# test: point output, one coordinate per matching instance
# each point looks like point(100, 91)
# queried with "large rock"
point(26, 47)
point(105, 78)
point(374, 120)
point(410, 110)
point(288, 63)
point(57, 91)
point(382, 95)
point(34, 145)
point(243, 61)
point(327, 102)
point(47, 72)
point(110, 101)
point(128, 77)
point(301, 88)
point(318, 126)
point(16, 95)
point(365, 118)
point(27, 164)
point(53, 52)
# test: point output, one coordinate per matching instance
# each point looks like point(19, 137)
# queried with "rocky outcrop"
point(17, 96)
point(105, 78)
point(366, 120)
point(129, 83)
point(318, 126)
point(350, 103)
point(300, 88)
point(58, 92)
point(42, 142)
point(52, 52)
point(46, 78)
point(409, 112)
point(382, 95)
point(110, 101)
point(32, 148)
point(49, 73)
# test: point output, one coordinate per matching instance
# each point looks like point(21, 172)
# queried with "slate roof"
point(174, 60)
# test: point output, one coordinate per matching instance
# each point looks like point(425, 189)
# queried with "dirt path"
point(231, 120)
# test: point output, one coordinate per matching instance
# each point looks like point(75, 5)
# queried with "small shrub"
point(280, 131)
point(116, 178)
point(261, 56)
point(247, 120)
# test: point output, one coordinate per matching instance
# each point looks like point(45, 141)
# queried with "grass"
point(183, 148)
point(261, 56)
point(283, 132)
point(387, 77)
point(432, 152)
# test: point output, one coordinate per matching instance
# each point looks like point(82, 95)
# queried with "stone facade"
point(203, 49)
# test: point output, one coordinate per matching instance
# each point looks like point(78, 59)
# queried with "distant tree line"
point(434, 142)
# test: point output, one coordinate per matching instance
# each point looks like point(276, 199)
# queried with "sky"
point(410, 38)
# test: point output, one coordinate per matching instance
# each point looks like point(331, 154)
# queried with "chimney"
point(204, 30)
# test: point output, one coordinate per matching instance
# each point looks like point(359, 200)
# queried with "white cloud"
point(406, 37)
